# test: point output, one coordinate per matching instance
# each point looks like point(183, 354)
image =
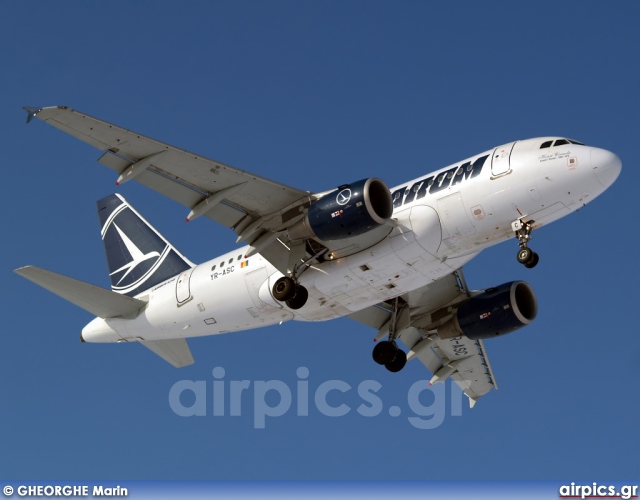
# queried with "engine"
point(350, 210)
point(496, 311)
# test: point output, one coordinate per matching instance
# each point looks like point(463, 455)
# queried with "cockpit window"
point(559, 142)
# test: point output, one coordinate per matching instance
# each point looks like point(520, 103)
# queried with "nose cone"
point(606, 166)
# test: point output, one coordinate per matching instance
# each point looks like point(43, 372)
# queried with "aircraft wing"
point(462, 359)
point(253, 206)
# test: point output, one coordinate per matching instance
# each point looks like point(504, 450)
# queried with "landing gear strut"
point(387, 352)
point(525, 255)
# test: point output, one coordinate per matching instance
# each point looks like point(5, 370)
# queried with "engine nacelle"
point(496, 311)
point(350, 210)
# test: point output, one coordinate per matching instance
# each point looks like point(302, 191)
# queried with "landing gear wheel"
point(524, 255)
point(284, 289)
point(299, 299)
point(398, 362)
point(384, 352)
point(533, 262)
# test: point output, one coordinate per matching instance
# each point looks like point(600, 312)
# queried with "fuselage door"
point(183, 287)
point(501, 160)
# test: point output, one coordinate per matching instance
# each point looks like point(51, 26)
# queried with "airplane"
point(391, 259)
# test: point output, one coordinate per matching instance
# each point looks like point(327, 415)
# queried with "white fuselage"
point(442, 220)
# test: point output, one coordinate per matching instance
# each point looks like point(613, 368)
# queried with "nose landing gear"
point(525, 255)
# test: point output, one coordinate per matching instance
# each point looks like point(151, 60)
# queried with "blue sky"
point(316, 94)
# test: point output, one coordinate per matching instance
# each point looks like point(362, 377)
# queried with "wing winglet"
point(31, 112)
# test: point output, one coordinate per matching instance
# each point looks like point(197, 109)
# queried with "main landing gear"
point(525, 255)
point(291, 293)
point(387, 352)
point(287, 289)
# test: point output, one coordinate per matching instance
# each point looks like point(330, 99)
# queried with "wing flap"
point(188, 196)
point(473, 375)
point(98, 301)
point(260, 196)
point(174, 351)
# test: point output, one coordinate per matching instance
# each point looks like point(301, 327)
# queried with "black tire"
point(284, 289)
point(524, 255)
point(384, 352)
point(398, 362)
point(533, 262)
point(299, 299)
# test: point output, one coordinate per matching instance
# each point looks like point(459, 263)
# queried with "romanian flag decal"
point(244, 264)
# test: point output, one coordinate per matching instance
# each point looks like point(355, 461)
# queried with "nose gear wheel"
point(525, 255)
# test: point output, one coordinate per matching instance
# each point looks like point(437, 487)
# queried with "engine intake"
point(496, 311)
point(350, 210)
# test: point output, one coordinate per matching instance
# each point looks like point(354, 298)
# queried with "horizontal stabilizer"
point(98, 301)
point(175, 351)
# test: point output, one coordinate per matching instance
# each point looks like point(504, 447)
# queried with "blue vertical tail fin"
point(138, 256)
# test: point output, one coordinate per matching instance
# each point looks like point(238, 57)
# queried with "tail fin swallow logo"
point(136, 254)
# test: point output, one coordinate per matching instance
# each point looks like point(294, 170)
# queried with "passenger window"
point(546, 144)
point(213, 268)
point(411, 192)
point(441, 183)
point(239, 257)
point(396, 196)
point(230, 260)
point(422, 191)
point(222, 264)
point(561, 142)
point(458, 174)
